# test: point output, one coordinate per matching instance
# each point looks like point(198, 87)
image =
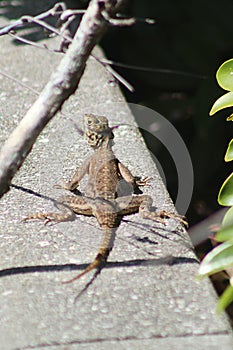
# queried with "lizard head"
point(97, 130)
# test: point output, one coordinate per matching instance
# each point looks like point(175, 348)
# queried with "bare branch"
point(67, 40)
point(105, 61)
point(137, 19)
point(64, 44)
point(118, 21)
point(67, 16)
point(68, 13)
point(63, 82)
point(116, 75)
point(58, 9)
point(32, 43)
point(30, 19)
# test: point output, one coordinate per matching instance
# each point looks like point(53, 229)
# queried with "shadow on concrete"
point(13, 10)
point(169, 260)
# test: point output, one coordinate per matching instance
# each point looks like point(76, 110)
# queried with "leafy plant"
point(221, 257)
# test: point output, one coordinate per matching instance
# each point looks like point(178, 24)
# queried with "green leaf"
point(225, 196)
point(230, 118)
point(222, 102)
point(225, 234)
point(224, 75)
point(225, 299)
point(229, 153)
point(228, 219)
point(218, 259)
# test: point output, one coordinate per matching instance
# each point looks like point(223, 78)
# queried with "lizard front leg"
point(73, 183)
point(132, 180)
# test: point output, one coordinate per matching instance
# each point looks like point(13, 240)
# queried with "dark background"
point(190, 40)
point(195, 38)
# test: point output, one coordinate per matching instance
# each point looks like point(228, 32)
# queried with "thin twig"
point(63, 83)
point(20, 22)
point(19, 82)
point(70, 13)
point(30, 42)
point(116, 75)
point(68, 117)
point(120, 22)
point(67, 39)
point(149, 69)
point(45, 25)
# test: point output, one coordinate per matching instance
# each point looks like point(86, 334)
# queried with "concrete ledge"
point(147, 296)
point(170, 343)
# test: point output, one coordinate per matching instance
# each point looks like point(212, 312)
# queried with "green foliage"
point(229, 152)
point(221, 257)
point(223, 102)
point(228, 218)
point(218, 259)
point(225, 299)
point(225, 196)
point(225, 234)
point(224, 77)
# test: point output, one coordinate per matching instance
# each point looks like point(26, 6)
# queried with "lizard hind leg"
point(145, 210)
point(143, 205)
point(65, 215)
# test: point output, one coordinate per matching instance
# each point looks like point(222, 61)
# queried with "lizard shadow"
point(34, 193)
point(169, 260)
point(162, 232)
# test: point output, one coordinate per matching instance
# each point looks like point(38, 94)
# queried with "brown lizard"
point(103, 197)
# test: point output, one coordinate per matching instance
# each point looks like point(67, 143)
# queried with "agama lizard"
point(103, 197)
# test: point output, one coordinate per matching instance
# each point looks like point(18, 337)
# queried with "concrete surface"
point(147, 296)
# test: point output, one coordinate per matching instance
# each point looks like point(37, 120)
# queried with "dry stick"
point(58, 8)
point(117, 22)
point(62, 84)
point(104, 63)
point(69, 16)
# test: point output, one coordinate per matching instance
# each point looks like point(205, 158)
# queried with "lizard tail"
point(99, 262)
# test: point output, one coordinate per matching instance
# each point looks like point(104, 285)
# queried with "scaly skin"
point(102, 196)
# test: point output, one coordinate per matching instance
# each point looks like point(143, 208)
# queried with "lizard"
point(103, 198)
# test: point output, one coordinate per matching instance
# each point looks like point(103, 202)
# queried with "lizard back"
point(103, 169)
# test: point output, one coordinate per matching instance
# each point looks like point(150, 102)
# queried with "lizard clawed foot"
point(65, 185)
point(47, 217)
point(144, 181)
point(162, 216)
point(182, 219)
